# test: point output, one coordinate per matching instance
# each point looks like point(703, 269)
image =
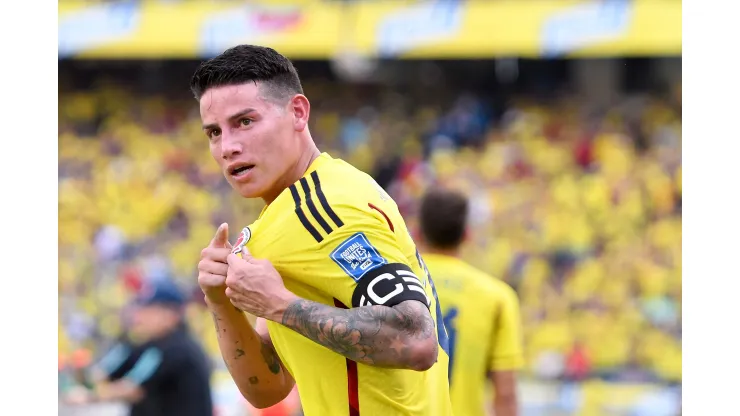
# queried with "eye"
point(245, 122)
point(213, 133)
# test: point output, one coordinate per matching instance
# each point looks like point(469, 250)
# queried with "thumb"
point(242, 252)
point(221, 239)
point(245, 254)
point(235, 260)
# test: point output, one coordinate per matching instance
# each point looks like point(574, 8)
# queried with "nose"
point(230, 146)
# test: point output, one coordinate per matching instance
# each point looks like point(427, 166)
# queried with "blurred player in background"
point(343, 302)
point(159, 369)
point(481, 313)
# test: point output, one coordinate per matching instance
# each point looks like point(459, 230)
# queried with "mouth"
point(240, 170)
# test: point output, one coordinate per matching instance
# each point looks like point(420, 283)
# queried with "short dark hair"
point(443, 216)
point(248, 63)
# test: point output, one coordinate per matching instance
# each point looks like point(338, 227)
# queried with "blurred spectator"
point(577, 364)
point(158, 367)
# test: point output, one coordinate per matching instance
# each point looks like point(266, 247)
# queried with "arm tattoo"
point(376, 335)
point(218, 327)
point(268, 353)
point(270, 357)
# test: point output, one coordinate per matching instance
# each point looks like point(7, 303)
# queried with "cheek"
point(215, 151)
point(287, 140)
point(270, 145)
point(145, 317)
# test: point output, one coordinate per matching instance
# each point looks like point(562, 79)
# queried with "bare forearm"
point(252, 363)
point(505, 400)
point(506, 406)
point(121, 390)
point(391, 337)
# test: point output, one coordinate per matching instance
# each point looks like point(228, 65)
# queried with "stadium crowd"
point(579, 211)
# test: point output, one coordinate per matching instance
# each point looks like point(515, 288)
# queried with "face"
point(153, 321)
point(254, 140)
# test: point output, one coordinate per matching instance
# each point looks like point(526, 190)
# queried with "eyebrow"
point(235, 116)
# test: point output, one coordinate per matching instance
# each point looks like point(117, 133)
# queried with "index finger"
point(242, 252)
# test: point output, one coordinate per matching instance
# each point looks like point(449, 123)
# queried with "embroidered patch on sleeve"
point(356, 256)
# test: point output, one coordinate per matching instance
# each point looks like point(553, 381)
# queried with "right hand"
point(77, 396)
point(213, 266)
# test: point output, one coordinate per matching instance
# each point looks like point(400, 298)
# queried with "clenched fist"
point(213, 266)
point(254, 286)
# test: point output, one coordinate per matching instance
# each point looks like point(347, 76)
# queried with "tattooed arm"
point(389, 325)
point(401, 336)
point(250, 357)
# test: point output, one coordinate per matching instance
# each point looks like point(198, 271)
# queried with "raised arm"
point(250, 358)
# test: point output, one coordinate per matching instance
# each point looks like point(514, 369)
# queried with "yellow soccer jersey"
point(338, 239)
point(482, 318)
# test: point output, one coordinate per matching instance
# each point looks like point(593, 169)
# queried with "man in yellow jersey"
point(346, 310)
point(480, 312)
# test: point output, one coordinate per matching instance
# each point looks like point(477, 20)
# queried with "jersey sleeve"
point(507, 353)
point(111, 365)
point(336, 239)
point(366, 264)
point(346, 254)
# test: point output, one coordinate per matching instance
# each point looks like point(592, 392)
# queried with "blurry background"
point(561, 118)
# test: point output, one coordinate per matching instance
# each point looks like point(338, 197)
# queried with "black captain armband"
point(389, 285)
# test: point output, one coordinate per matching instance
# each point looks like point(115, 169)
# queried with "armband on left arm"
point(389, 285)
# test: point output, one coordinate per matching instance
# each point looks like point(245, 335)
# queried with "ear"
point(467, 235)
point(301, 109)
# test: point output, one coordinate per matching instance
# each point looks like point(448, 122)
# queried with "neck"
point(450, 252)
point(295, 173)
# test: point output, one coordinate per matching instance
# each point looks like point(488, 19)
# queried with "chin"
point(249, 190)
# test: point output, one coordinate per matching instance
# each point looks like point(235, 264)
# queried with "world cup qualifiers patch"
point(356, 256)
point(243, 239)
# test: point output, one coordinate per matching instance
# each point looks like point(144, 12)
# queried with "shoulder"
point(504, 294)
point(184, 351)
point(493, 287)
point(347, 186)
point(334, 185)
point(332, 205)
point(338, 195)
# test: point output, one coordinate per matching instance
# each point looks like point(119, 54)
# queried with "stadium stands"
point(578, 208)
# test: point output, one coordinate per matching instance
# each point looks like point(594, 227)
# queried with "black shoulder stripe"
point(322, 199)
point(312, 207)
point(302, 217)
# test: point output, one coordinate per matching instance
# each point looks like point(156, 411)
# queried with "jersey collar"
point(321, 160)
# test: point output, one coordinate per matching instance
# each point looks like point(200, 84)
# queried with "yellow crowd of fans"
point(586, 227)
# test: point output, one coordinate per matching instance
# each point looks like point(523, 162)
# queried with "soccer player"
point(345, 308)
point(480, 312)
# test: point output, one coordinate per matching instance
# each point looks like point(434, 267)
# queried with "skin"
point(154, 321)
point(505, 402)
point(246, 124)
